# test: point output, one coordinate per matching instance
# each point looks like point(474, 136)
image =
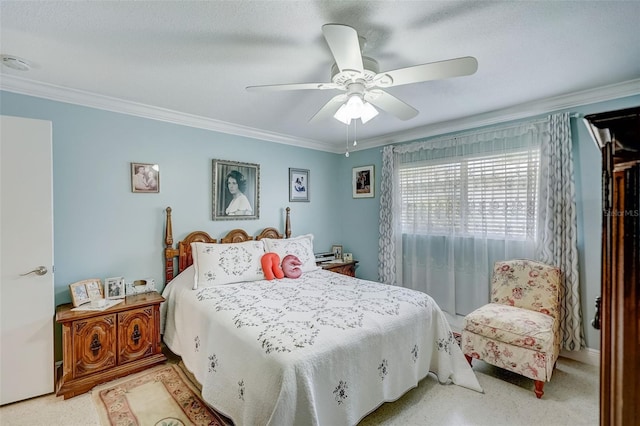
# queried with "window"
point(491, 195)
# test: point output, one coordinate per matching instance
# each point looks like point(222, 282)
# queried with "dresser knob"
point(95, 344)
point(135, 336)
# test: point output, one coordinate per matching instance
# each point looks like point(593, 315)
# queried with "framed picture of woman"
point(236, 190)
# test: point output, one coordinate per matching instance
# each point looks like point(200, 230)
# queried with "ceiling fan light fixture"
point(368, 112)
point(355, 108)
point(342, 114)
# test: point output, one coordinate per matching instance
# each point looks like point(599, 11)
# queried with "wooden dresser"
point(344, 268)
point(98, 346)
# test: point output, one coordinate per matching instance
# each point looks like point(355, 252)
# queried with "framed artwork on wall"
point(145, 177)
point(363, 182)
point(298, 184)
point(236, 190)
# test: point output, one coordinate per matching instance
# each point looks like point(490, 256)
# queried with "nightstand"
point(344, 268)
point(98, 346)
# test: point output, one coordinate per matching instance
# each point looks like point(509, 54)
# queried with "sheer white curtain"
point(451, 207)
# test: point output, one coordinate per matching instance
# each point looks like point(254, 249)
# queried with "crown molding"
point(28, 87)
point(516, 112)
point(52, 92)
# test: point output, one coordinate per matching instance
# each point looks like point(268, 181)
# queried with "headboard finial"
point(168, 232)
point(287, 224)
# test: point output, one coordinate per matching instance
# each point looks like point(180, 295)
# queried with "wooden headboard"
point(183, 249)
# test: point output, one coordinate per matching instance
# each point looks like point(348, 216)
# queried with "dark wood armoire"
point(618, 135)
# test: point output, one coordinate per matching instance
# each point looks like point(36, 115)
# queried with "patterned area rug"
point(159, 396)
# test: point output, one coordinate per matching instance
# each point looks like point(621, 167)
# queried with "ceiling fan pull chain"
point(355, 132)
point(346, 154)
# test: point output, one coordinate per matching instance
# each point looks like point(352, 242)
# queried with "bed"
point(322, 349)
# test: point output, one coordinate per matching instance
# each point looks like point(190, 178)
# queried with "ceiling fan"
point(359, 77)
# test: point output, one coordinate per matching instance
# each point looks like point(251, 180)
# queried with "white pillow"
point(217, 264)
point(301, 247)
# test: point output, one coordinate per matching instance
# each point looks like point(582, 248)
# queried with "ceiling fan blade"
point(431, 71)
point(344, 45)
point(390, 104)
point(329, 108)
point(295, 86)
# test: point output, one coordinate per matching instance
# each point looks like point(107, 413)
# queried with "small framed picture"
point(114, 287)
point(347, 257)
point(85, 290)
point(145, 177)
point(298, 185)
point(363, 182)
point(94, 289)
point(337, 251)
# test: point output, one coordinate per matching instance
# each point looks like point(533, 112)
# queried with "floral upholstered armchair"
point(519, 330)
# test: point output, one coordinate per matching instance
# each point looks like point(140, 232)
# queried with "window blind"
point(491, 195)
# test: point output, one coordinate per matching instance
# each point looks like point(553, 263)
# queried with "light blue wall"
point(360, 221)
point(360, 216)
point(102, 229)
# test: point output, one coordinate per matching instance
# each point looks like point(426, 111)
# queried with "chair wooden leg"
point(539, 384)
point(469, 358)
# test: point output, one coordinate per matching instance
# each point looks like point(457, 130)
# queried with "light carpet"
point(160, 396)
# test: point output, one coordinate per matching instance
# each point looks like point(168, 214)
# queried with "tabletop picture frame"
point(298, 185)
point(336, 249)
point(114, 287)
point(244, 180)
point(363, 182)
point(84, 291)
point(145, 177)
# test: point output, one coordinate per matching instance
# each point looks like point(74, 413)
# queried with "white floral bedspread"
point(323, 349)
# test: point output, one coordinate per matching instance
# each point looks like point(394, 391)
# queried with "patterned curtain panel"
point(386, 243)
point(557, 230)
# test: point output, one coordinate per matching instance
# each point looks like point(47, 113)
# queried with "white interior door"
point(26, 244)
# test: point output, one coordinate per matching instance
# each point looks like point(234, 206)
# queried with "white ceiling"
point(190, 62)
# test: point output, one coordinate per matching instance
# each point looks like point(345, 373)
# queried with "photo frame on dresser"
point(114, 287)
point(86, 290)
point(298, 184)
point(336, 249)
point(236, 190)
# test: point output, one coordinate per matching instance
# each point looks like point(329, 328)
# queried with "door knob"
point(40, 270)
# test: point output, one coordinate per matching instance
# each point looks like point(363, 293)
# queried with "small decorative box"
point(140, 286)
